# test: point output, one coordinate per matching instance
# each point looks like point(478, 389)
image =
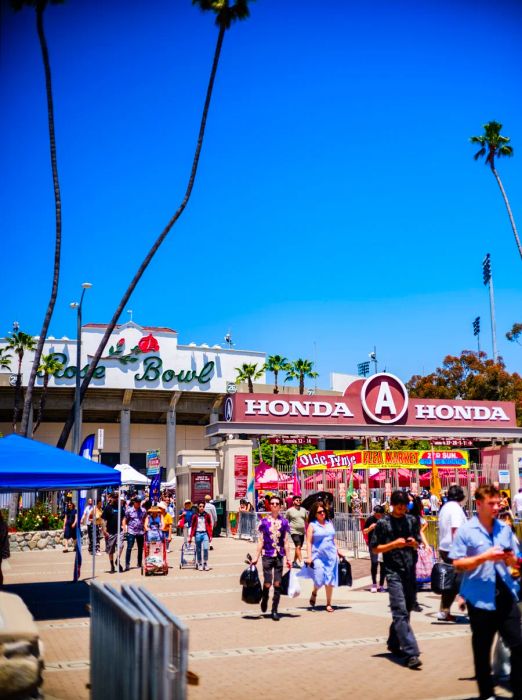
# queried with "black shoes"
point(417, 608)
point(396, 651)
point(413, 662)
point(264, 600)
point(275, 616)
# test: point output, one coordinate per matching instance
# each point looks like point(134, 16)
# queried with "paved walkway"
point(236, 651)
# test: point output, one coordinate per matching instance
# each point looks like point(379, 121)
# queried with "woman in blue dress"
point(322, 553)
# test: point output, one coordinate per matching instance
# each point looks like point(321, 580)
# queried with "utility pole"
point(488, 280)
point(476, 331)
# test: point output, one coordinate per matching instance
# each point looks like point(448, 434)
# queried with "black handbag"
point(443, 578)
point(344, 573)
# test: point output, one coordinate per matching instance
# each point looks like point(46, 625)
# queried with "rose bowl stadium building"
point(151, 395)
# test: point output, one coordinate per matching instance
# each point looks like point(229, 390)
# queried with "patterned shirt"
point(274, 532)
point(135, 519)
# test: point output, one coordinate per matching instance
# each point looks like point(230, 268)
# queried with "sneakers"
point(381, 589)
point(444, 616)
point(205, 567)
point(276, 616)
point(199, 567)
point(296, 565)
point(373, 589)
point(413, 662)
point(417, 607)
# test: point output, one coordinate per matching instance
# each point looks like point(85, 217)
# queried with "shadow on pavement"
point(53, 600)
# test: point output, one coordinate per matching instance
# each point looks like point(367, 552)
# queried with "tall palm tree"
point(494, 145)
point(50, 365)
point(276, 364)
point(5, 359)
point(19, 343)
point(299, 369)
point(226, 12)
point(248, 373)
point(39, 6)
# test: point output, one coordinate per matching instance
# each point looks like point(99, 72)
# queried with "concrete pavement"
point(238, 652)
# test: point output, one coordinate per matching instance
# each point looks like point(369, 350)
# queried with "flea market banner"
point(382, 459)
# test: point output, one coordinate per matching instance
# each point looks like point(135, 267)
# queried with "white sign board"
point(101, 436)
point(503, 476)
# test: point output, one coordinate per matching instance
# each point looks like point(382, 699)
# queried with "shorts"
point(272, 564)
point(298, 540)
point(110, 547)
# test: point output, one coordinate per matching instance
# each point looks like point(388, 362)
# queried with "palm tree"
point(494, 145)
point(19, 343)
point(276, 364)
point(249, 373)
point(226, 14)
point(299, 369)
point(50, 365)
point(39, 6)
point(5, 359)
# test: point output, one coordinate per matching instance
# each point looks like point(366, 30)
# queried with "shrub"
point(39, 517)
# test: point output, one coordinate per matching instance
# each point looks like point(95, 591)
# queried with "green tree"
point(39, 7)
point(514, 334)
point(494, 145)
point(19, 343)
point(276, 364)
point(299, 369)
point(5, 359)
point(48, 368)
point(226, 13)
point(471, 376)
point(248, 373)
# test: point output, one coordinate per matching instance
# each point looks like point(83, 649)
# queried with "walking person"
point(322, 553)
point(69, 527)
point(113, 536)
point(369, 526)
point(397, 537)
point(434, 503)
point(482, 550)
point(451, 518)
point(185, 520)
point(94, 514)
point(273, 546)
point(296, 516)
point(166, 526)
point(5, 551)
point(133, 526)
point(201, 533)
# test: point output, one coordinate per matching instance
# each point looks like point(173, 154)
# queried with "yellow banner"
point(382, 459)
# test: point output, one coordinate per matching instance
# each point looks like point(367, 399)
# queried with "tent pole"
point(118, 535)
point(94, 543)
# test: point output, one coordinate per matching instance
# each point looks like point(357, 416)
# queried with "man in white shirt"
point(451, 517)
point(517, 503)
point(434, 504)
point(210, 508)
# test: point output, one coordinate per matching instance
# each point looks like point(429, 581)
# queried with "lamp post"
point(487, 278)
point(77, 427)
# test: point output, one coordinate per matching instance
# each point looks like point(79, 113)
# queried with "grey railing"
point(139, 650)
point(349, 534)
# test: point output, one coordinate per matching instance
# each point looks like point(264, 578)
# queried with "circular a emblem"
point(384, 398)
point(229, 409)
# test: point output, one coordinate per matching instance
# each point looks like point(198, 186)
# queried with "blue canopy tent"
point(29, 465)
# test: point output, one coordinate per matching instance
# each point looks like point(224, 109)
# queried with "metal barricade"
point(247, 525)
point(349, 534)
point(139, 650)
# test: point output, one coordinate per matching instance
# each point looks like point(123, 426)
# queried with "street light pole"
point(487, 276)
point(77, 426)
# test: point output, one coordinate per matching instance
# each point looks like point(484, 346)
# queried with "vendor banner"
point(382, 459)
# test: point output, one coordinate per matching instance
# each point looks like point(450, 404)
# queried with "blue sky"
point(337, 202)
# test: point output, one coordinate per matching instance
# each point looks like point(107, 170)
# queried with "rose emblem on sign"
point(148, 344)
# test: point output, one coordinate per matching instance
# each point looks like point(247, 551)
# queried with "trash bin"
point(221, 512)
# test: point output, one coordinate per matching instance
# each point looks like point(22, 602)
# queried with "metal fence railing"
point(139, 650)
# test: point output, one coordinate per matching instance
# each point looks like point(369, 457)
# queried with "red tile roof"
point(156, 329)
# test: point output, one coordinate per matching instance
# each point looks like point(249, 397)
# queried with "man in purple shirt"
point(273, 544)
point(133, 527)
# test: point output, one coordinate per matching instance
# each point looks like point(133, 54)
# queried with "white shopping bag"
point(294, 587)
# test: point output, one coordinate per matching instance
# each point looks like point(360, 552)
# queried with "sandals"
point(329, 608)
point(313, 599)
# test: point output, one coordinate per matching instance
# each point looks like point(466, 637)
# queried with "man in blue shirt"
point(483, 549)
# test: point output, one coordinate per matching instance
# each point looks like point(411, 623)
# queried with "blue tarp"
point(28, 465)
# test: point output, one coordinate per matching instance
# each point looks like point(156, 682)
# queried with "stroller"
point(188, 556)
point(154, 550)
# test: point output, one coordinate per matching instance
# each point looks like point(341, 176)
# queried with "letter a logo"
point(384, 398)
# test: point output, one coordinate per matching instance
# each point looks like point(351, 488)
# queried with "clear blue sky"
point(337, 200)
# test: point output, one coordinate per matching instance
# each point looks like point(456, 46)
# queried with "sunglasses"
point(319, 512)
point(275, 504)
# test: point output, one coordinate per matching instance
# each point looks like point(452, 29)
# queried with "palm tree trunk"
point(301, 383)
point(130, 289)
point(58, 218)
point(250, 385)
point(506, 202)
point(276, 388)
point(43, 399)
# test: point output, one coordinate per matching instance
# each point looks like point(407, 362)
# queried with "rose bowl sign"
point(378, 400)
